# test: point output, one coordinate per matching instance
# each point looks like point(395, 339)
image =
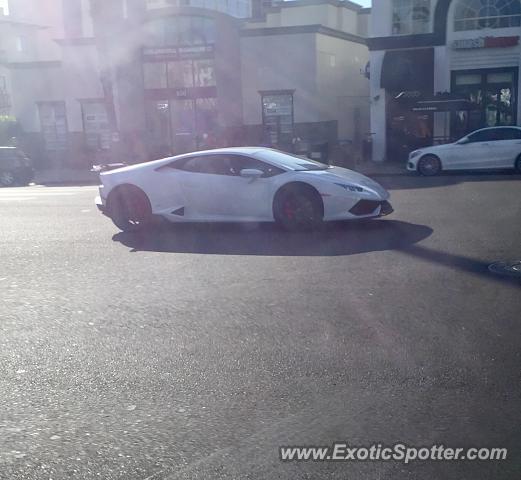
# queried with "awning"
point(408, 70)
point(444, 105)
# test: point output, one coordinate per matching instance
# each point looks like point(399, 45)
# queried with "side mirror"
point(463, 141)
point(252, 173)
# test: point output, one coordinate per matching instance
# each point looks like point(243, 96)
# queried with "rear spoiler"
point(107, 167)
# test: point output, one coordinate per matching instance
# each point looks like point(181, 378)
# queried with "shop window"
point(277, 114)
point(53, 122)
point(206, 115)
point(158, 127)
point(410, 16)
point(180, 31)
point(180, 74)
point(493, 94)
point(479, 14)
point(155, 75)
point(96, 125)
point(204, 73)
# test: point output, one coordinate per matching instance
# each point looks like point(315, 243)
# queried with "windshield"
point(291, 162)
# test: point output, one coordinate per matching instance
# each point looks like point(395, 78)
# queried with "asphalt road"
point(195, 352)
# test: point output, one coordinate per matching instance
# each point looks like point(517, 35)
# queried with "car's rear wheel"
point(7, 178)
point(129, 208)
point(298, 207)
point(518, 165)
point(429, 165)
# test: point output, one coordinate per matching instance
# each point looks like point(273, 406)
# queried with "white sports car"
point(488, 148)
point(247, 184)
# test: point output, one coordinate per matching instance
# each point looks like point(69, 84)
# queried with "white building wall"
point(276, 63)
point(377, 107)
point(343, 91)
point(74, 79)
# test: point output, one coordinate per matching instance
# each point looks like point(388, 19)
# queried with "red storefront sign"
point(485, 42)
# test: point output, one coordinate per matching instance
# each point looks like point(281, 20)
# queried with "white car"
point(250, 184)
point(488, 148)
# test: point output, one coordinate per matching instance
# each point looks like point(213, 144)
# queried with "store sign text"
point(178, 53)
point(485, 42)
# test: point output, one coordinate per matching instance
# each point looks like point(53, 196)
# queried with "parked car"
point(488, 148)
point(16, 168)
point(238, 185)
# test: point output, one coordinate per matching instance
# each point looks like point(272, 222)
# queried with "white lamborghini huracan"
point(250, 184)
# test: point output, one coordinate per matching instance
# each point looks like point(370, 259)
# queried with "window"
point(180, 74)
point(204, 73)
point(493, 93)
point(230, 165)
point(206, 115)
point(478, 14)
point(212, 164)
point(155, 75)
point(240, 162)
point(277, 113)
point(410, 16)
point(509, 134)
point(180, 31)
point(490, 135)
point(53, 120)
point(96, 125)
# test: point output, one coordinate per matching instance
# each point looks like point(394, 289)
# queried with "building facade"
point(138, 79)
point(440, 69)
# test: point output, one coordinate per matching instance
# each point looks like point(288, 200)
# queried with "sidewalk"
point(66, 176)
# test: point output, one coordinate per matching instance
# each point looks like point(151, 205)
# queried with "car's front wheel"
point(7, 178)
point(298, 207)
point(518, 165)
point(429, 165)
point(129, 208)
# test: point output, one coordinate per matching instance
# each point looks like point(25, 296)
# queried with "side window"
point(511, 134)
point(484, 136)
point(242, 162)
point(230, 165)
point(209, 164)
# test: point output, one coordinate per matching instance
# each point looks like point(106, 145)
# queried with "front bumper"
point(412, 166)
point(100, 205)
point(364, 208)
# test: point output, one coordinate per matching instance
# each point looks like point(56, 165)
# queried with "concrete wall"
point(334, 16)
point(71, 80)
point(282, 62)
point(343, 92)
point(377, 103)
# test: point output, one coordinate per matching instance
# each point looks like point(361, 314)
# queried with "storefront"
point(180, 83)
point(455, 48)
point(407, 77)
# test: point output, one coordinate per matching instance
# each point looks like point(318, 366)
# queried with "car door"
point(476, 152)
point(252, 197)
point(203, 180)
point(508, 147)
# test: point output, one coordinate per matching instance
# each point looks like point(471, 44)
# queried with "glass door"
point(277, 113)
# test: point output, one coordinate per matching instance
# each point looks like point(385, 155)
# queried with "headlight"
point(415, 154)
point(351, 188)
